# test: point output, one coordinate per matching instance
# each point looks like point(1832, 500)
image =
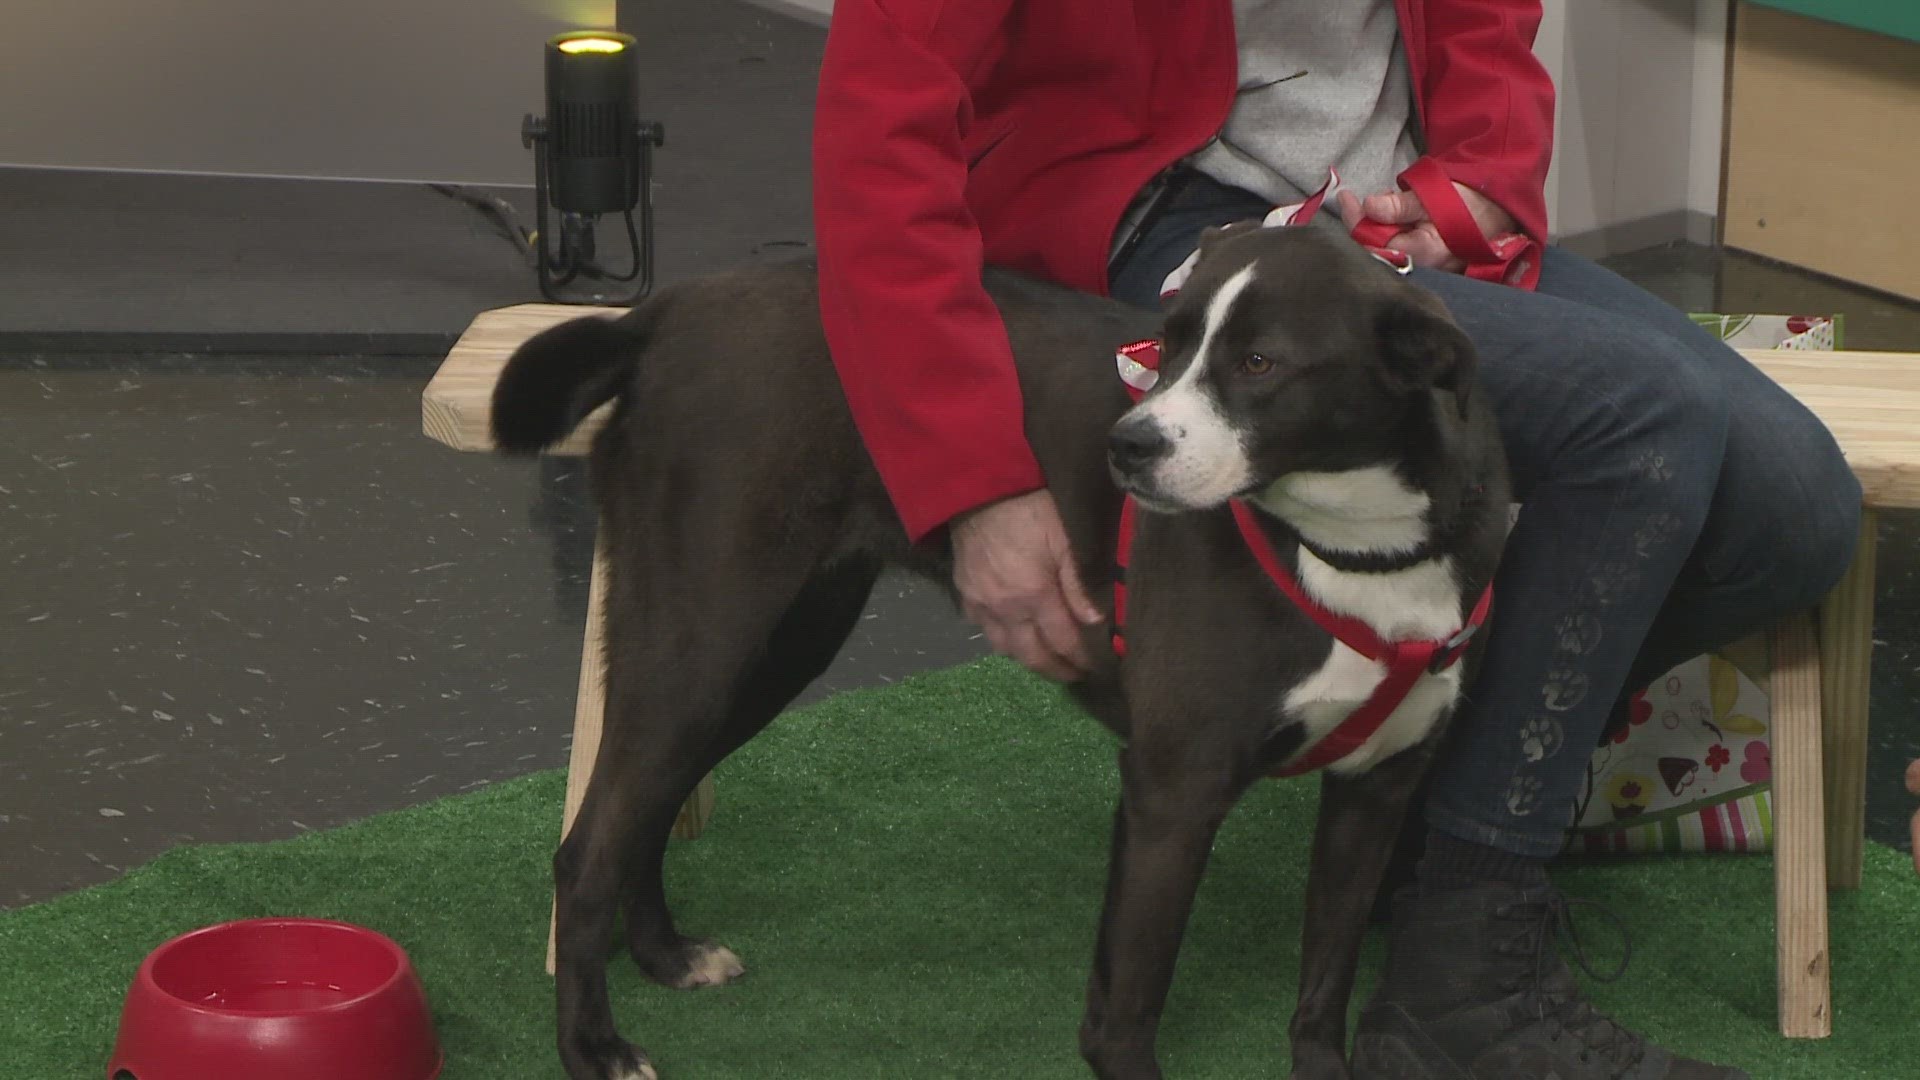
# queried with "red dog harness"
point(1406, 661)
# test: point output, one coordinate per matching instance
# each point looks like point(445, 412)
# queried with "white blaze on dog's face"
point(1288, 351)
point(1206, 461)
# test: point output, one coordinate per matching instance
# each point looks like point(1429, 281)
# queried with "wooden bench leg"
point(1799, 857)
point(588, 710)
point(1846, 682)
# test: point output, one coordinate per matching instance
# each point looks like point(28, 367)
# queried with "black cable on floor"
point(498, 212)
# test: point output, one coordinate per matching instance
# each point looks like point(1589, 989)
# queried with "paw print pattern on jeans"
point(1656, 531)
point(1611, 581)
point(1565, 688)
point(1541, 738)
point(1577, 634)
point(1522, 796)
point(1652, 465)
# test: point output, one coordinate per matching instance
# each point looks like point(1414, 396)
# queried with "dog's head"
point(1288, 350)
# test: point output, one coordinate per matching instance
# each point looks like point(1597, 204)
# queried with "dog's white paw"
point(605, 1058)
point(712, 965)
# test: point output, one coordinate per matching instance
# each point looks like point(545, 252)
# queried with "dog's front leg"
point(1163, 831)
point(1360, 819)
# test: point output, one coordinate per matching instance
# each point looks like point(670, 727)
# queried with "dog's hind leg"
point(806, 640)
point(703, 651)
point(1353, 841)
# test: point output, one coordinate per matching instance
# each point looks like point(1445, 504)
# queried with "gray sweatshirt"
point(1323, 84)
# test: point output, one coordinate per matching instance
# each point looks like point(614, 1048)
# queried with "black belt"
point(1152, 201)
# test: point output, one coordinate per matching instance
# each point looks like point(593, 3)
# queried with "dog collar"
point(1406, 661)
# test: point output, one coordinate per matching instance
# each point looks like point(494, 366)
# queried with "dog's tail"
point(558, 376)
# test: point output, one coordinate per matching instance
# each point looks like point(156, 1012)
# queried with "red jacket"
point(950, 134)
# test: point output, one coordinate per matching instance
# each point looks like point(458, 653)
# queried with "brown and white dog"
point(746, 524)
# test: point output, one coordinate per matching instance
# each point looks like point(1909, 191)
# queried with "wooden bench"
point(1820, 660)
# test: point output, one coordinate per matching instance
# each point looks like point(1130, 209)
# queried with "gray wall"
point(1638, 135)
point(365, 89)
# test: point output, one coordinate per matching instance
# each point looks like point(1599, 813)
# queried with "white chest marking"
point(1367, 510)
point(1420, 602)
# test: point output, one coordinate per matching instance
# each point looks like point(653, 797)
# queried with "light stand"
point(592, 155)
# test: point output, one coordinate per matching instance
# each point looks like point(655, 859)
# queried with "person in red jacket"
point(1674, 497)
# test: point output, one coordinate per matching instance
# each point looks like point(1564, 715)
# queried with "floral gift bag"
point(1692, 769)
point(1819, 333)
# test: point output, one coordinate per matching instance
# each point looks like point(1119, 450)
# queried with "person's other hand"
point(1419, 237)
point(1913, 788)
point(1015, 572)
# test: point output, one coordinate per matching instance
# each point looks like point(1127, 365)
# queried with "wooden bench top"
point(1870, 400)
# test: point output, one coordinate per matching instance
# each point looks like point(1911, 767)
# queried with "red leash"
point(1406, 660)
point(1371, 234)
point(1506, 260)
point(1511, 259)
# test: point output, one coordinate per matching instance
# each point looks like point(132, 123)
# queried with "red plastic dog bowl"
point(290, 999)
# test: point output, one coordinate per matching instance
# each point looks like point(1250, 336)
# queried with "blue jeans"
point(1675, 499)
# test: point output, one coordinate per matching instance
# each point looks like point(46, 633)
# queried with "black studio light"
point(592, 155)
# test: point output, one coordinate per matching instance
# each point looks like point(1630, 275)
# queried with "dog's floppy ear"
point(1421, 345)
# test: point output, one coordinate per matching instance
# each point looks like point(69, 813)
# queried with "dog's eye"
point(1256, 364)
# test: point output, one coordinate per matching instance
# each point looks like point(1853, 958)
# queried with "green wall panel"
point(1900, 18)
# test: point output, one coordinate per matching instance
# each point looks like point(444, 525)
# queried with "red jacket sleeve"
point(919, 347)
point(1488, 102)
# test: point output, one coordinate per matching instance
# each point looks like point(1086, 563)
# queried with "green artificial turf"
point(912, 875)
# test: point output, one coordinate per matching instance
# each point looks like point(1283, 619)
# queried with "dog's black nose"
point(1135, 444)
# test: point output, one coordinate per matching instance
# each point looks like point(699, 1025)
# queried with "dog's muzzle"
point(1135, 446)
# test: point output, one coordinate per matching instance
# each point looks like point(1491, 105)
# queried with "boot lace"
point(1554, 997)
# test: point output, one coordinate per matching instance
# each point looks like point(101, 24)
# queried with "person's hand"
point(1015, 572)
point(1419, 237)
point(1913, 787)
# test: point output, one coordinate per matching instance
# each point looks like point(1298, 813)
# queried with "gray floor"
point(245, 597)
